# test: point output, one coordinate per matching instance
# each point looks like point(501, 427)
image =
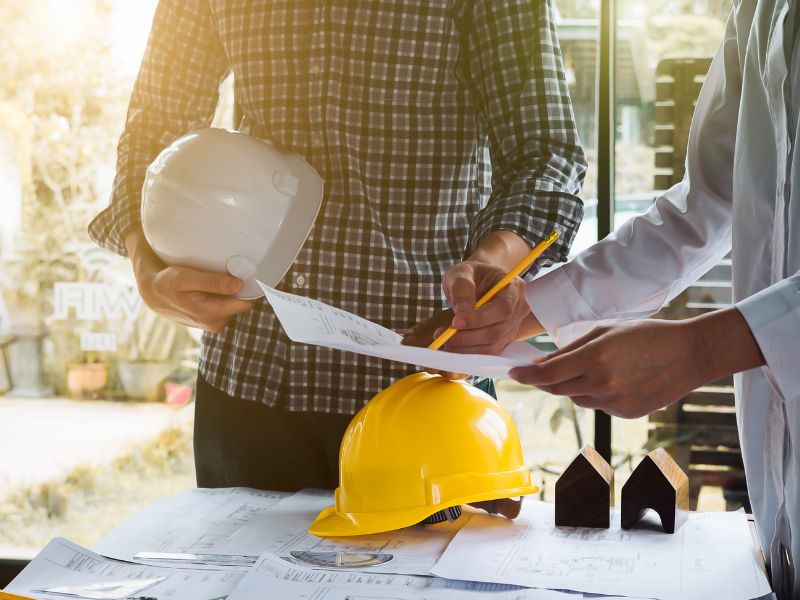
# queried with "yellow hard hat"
point(421, 446)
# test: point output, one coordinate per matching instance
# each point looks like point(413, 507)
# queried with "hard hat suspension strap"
point(440, 516)
point(508, 507)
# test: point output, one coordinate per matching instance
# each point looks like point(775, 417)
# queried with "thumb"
point(460, 289)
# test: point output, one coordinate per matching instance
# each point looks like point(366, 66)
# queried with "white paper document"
point(309, 321)
point(63, 565)
point(197, 520)
point(284, 528)
point(240, 522)
point(272, 577)
point(710, 556)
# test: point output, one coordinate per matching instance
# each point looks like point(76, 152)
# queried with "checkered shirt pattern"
point(432, 123)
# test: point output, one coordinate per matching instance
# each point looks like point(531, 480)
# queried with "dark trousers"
point(244, 443)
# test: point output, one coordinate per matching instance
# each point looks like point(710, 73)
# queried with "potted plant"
point(148, 355)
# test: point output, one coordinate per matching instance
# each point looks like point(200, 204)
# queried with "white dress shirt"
point(741, 191)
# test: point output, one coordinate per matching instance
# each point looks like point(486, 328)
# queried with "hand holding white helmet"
point(222, 201)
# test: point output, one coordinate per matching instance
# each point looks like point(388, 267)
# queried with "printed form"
point(277, 578)
point(310, 321)
point(197, 521)
point(64, 569)
point(241, 523)
point(711, 556)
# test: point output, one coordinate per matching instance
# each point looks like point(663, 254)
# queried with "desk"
point(249, 522)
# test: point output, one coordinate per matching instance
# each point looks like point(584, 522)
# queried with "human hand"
point(424, 332)
point(492, 327)
point(626, 370)
point(196, 298)
point(487, 330)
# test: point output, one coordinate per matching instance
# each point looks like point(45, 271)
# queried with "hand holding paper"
point(309, 321)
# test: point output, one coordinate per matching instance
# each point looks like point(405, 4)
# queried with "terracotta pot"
point(87, 380)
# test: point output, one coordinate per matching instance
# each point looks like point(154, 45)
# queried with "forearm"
point(501, 248)
point(722, 344)
point(134, 239)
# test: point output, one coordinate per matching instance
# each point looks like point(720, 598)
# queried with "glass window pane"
point(663, 51)
point(578, 29)
point(83, 442)
point(553, 430)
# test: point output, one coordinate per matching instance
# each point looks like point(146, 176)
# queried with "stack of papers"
point(64, 569)
point(478, 556)
point(291, 582)
point(711, 556)
point(239, 522)
point(198, 520)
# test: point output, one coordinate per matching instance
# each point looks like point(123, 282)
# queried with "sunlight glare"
point(131, 26)
point(67, 19)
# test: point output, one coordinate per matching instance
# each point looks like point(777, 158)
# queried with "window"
point(663, 50)
point(552, 428)
point(83, 443)
point(661, 54)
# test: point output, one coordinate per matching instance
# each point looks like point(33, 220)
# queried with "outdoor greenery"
point(78, 506)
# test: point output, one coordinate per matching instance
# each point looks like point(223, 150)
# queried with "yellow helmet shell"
point(422, 445)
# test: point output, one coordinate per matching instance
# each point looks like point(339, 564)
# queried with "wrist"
point(501, 248)
point(721, 344)
point(133, 240)
point(529, 328)
point(144, 261)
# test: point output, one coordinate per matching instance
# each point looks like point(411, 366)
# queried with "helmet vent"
point(440, 516)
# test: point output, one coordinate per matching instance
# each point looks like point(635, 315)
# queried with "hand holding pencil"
point(484, 326)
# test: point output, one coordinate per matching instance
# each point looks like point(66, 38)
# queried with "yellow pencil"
point(521, 267)
point(8, 596)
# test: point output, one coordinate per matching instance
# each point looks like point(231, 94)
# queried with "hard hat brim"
point(293, 233)
point(329, 523)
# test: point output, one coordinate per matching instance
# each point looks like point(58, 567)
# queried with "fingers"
point(580, 342)
point(219, 306)
point(466, 339)
point(504, 306)
point(552, 371)
point(424, 332)
point(452, 376)
point(185, 279)
point(202, 299)
point(580, 386)
point(459, 287)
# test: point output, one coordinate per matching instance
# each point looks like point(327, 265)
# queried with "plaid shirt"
point(433, 123)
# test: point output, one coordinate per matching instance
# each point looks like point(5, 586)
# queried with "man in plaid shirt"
point(445, 136)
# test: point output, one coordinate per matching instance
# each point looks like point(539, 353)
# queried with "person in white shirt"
point(741, 192)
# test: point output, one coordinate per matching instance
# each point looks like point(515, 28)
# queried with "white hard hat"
point(219, 200)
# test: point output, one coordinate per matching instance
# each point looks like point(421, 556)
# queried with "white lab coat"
point(742, 190)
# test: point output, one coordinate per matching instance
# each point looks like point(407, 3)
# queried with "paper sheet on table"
point(196, 520)
point(241, 521)
point(63, 563)
point(312, 322)
point(711, 556)
point(272, 577)
point(284, 528)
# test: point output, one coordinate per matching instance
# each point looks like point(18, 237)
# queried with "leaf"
point(556, 418)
